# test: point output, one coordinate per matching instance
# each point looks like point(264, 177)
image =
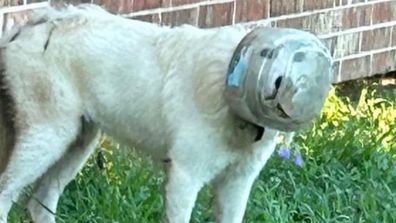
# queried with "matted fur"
point(157, 89)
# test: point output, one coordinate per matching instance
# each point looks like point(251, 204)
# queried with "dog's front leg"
point(193, 161)
point(233, 185)
point(181, 192)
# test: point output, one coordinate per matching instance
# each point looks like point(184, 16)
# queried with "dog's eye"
point(267, 53)
point(298, 57)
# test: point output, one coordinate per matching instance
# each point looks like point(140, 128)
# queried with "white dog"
point(68, 74)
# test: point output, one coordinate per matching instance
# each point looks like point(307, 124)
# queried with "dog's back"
point(152, 87)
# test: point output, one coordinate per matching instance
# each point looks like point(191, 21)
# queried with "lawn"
point(349, 175)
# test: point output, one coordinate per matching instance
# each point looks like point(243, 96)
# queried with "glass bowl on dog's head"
point(279, 78)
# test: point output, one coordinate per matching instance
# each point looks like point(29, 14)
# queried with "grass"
point(349, 175)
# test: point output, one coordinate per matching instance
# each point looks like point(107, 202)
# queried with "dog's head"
point(279, 78)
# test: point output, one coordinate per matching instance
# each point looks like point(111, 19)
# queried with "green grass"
point(349, 175)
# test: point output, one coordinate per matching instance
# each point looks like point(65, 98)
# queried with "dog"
point(184, 95)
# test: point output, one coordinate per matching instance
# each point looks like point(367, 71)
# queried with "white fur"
point(154, 88)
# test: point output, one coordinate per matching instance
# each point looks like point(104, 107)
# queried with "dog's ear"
point(240, 58)
point(245, 43)
point(251, 36)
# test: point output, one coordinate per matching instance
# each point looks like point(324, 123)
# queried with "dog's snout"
point(283, 114)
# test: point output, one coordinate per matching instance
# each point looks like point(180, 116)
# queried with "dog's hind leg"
point(37, 148)
point(47, 110)
point(52, 183)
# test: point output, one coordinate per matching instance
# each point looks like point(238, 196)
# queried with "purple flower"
point(284, 152)
point(299, 160)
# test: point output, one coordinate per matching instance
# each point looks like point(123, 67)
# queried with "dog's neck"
point(231, 68)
